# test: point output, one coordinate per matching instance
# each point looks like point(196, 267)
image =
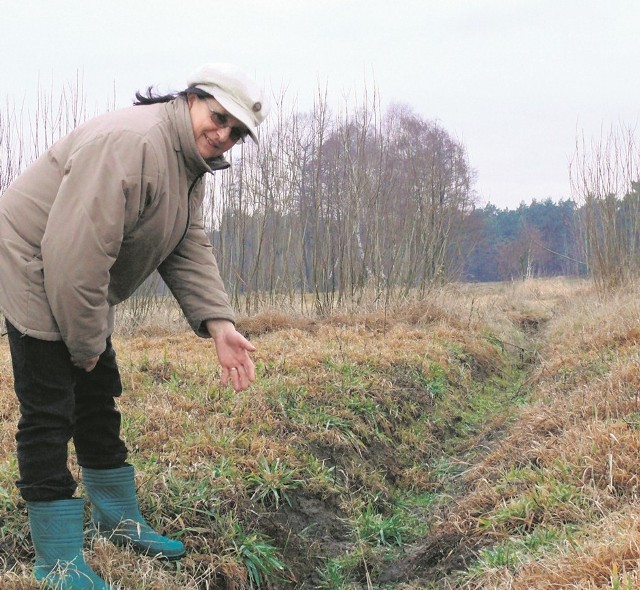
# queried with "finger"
point(244, 378)
point(88, 366)
point(248, 346)
point(250, 369)
point(235, 378)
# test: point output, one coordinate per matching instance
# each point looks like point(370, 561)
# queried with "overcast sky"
point(516, 81)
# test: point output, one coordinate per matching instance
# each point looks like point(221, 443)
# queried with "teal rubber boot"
point(57, 534)
point(116, 515)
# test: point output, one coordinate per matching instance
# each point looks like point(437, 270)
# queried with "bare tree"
point(12, 152)
point(25, 133)
point(604, 178)
point(335, 206)
point(523, 257)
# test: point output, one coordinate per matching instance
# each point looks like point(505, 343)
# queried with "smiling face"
point(215, 130)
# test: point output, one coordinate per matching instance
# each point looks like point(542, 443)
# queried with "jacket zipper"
point(186, 229)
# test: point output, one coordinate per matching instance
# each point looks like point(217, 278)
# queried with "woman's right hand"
point(87, 365)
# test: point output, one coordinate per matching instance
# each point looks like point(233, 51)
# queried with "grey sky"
point(515, 80)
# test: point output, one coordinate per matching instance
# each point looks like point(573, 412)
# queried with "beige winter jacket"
point(94, 216)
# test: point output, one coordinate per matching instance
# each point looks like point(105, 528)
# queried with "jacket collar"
point(185, 141)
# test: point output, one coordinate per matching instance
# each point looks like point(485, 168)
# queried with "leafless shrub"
point(336, 205)
point(605, 179)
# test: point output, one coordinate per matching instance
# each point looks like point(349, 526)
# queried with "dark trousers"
point(59, 402)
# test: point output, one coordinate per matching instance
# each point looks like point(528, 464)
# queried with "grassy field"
point(486, 437)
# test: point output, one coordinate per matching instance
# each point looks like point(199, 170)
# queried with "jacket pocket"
point(38, 311)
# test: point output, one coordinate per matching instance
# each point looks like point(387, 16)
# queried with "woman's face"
point(214, 128)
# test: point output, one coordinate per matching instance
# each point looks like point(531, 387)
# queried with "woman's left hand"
point(233, 353)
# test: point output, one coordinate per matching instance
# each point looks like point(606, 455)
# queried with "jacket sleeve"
point(83, 237)
point(191, 273)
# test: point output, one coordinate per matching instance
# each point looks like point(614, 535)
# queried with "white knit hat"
point(235, 91)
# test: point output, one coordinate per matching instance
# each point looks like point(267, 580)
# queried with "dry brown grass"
point(607, 553)
point(579, 434)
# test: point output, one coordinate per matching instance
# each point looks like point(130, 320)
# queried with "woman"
point(80, 230)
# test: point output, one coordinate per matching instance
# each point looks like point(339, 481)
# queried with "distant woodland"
point(542, 239)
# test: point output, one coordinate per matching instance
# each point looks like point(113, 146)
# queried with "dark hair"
point(150, 97)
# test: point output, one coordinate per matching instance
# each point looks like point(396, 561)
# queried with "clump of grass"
point(260, 557)
point(273, 482)
point(374, 528)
